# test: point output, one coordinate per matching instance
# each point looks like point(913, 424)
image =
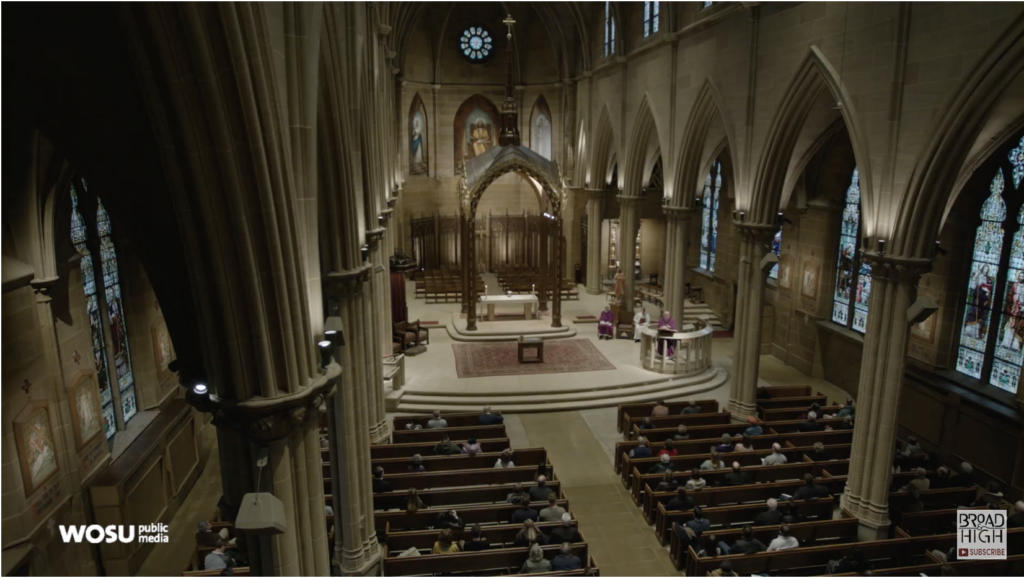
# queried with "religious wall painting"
point(924, 332)
point(540, 128)
point(86, 414)
point(785, 272)
point(163, 350)
point(37, 455)
point(418, 163)
point(476, 128)
point(809, 279)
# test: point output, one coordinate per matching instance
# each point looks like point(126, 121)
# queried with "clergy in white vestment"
point(640, 320)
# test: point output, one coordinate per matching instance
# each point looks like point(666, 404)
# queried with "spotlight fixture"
point(743, 216)
point(696, 202)
point(200, 388)
point(380, 219)
point(939, 249)
point(334, 331)
point(325, 353)
point(782, 219)
point(332, 336)
point(365, 251)
point(881, 246)
point(198, 396)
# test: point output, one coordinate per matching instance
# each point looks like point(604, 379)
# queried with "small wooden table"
point(534, 343)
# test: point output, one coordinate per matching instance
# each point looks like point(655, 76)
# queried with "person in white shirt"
point(505, 461)
point(784, 541)
point(640, 320)
point(437, 421)
point(776, 457)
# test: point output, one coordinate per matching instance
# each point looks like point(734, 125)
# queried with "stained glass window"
point(776, 248)
point(1009, 356)
point(708, 3)
point(476, 43)
point(853, 275)
point(80, 237)
point(652, 17)
point(115, 315)
point(709, 217)
point(1017, 160)
point(609, 30)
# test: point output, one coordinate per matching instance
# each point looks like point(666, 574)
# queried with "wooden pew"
point(243, 571)
point(1012, 566)
point(725, 517)
point(644, 409)
point(409, 436)
point(803, 401)
point(928, 522)
point(503, 559)
point(817, 532)
point(757, 493)
point(497, 536)
point(463, 419)
point(946, 498)
point(899, 552)
point(523, 457)
point(452, 497)
point(761, 442)
point(492, 514)
point(693, 419)
point(385, 451)
point(460, 478)
point(775, 391)
point(711, 432)
point(791, 413)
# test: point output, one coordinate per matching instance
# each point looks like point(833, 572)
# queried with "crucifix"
point(509, 21)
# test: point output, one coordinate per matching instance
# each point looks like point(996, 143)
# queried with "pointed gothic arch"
point(693, 164)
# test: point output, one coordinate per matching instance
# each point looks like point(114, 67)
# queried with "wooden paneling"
point(921, 412)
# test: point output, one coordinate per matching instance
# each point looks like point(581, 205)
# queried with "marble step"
point(676, 389)
point(510, 330)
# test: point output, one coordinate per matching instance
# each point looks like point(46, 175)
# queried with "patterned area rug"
point(502, 358)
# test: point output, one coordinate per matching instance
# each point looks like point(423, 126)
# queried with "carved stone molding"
point(43, 287)
point(346, 284)
point(268, 420)
point(373, 236)
point(628, 199)
point(896, 269)
point(679, 213)
point(596, 193)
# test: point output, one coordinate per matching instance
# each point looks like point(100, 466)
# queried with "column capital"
point(596, 193)
point(758, 232)
point(628, 200)
point(347, 283)
point(896, 269)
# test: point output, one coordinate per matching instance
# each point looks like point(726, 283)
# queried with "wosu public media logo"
point(981, 534)
point(96, 534)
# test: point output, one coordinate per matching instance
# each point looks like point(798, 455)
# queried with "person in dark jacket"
point(541, 491)
point(691, 408)
point(450, 519)
point(566, 532)
point(770, 517)
point(819, 454)
point(641, 450)
point(940, 480)
point(747, 543)
point(1017, 519)
point(517, 495)
point(991, 497)
point(811, 424)
point(417, 464)
point(965, 479)
point(847, 423)
point(854, 562)
point(379, 484)
point(665, 465)
point(489, 418)
point(754, 428)
point(737, 477)
point(530, 535)
point(810, 490)
point(566, 560)
point(524, 513)
point(446, 447)
point(668, 483)
point(680, 502)
point(476, 541)
point(913, 504)
point(647, 424)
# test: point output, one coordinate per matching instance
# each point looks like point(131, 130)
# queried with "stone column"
point(594, 200)
point(379, 314)
point(893, 291)
point(629, 221)
point(545, 265)
point(677, 236)
point(752, 275)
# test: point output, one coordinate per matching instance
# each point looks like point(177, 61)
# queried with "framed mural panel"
point(418, 161)
point(477, 123)
point(163, 350)
point(785, 273)
point(809, 281)
point(86, 413)
point(37, 454)
point(541, 128)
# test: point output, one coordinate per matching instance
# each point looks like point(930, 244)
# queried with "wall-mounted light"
point(881, 246)
point(380, 219)
point(200, 389)
point(198, 396)
point(365, 252)
point(743, 216)
point(782, 219)
point(325, 353)
point(334, 330)
point(939, 249)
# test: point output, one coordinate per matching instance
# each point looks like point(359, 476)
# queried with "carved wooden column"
point(594, 199)
point(893, 291)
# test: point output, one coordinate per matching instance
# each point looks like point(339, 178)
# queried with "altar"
point(528, 301)
point(692, 346)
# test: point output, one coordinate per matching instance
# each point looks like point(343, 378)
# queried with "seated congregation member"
point(553, 512)
point(1016, 520)
point(991, 497)
point(437, 421)
point(708, 547)
point(660, 409)
point(746, 543)
point(662, 466)
point(566, 560)
point(744, 445)
point(815, 408)
point(784, 541)
point(606, 323)
point(536, 563)
point(913, 505)
point(668, 483)
point(471, 447)
point(324, 443)
point(218, 559)
point(476, 542)
point(847, 409)
point(847, 423)
point(505, 460)
point(854, 562)
point(517, 495)
point(541, 491)
point(919, 483)
point(726, 445)
point(724, 570)
point(811, 424)
point(692, 407)
point(899, 463)
point(965, 479)
point(681, 434)
point(776, 457)
point(445, 543)
point(713, 463)
point(413, 425)
point(696, 482)
point(641, 450)
point(413, 502)
point(754, 429)
point(566, 532)
point(770, 517)
point(647, 424)
point(379, 484)
point(489, 418)
point(640, 320)
point(446, 448)
point(530, 535)
point(737, 477)
point(940, 480)
point(810, 490)
point(698, 523)
point(819, 454)
point(328, 510)
point(417, 464)
point(790, 513)
point(524, 513)
point(450, 519)
point(669, 449)
point(912, 447)
point(680, 502)
point(206, 537)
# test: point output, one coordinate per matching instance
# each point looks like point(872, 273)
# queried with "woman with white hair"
point(535, 564)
